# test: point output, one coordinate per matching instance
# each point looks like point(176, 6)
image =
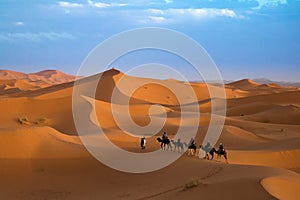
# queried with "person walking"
point(143, 143)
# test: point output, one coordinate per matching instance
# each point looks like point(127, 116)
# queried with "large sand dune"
point(42, 157)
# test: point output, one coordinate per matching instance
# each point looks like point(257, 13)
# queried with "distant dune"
point(282, 83)
point(42, 157)
point(244, 83)
point(21, 81)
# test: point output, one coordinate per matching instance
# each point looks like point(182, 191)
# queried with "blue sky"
point(245, 38)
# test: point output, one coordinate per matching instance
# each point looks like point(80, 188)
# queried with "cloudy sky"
point(245, 38)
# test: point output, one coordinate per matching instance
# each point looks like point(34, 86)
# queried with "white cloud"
point(19, 23)
point(98, 4)
point(266, 3)
point(105, 5)
point(172, 15)
point(168, 1)
point(226, 12)
point(270, 3)
point(157, 19)
point(204, 12)
point(118, 4)
point(66, 4)
point(35, 37)
point(156, 11)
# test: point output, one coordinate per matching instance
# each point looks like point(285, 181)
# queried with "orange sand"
point(44, 158)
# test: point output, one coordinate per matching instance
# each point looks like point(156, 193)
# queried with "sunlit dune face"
point(155, 93)
point(143, 104)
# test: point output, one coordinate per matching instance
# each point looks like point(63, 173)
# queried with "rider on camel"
point(164, 137)
point(192, 142)
point(221, 148)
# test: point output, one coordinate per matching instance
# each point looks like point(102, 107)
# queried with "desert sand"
point(42, 157)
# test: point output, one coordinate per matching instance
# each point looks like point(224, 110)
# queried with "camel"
point(192, 149)
point(178, 145)
point(164, 142)
point(212, 151)
point(208, 150)
point(220, 153)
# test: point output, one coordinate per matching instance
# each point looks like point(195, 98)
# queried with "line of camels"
point(165, 144)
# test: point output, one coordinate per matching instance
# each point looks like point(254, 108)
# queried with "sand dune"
point(248, 87)
point(283, 159)
point(244, 84)
point(290, 185)
point(9, 75)
point(48, 76)
point(14, 83)
point(42, 157)
point(38, 143)
point(288, 114)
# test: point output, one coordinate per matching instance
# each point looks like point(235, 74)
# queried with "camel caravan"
point(166, 144)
